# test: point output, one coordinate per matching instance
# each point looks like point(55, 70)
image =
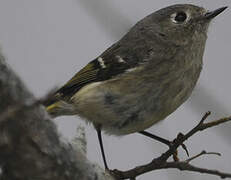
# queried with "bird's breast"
point(135, 101)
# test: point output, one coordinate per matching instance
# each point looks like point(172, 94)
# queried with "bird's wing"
point(110, 64)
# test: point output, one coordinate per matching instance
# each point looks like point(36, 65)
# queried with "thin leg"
point(160, 139)
point(101, 147)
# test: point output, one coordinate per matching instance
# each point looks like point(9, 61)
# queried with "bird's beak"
point(212, 14)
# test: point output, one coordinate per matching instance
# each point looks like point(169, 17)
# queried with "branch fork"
point(162, 162)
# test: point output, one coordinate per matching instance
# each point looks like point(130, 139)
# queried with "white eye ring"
point(182, 14)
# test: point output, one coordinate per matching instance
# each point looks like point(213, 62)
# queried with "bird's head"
point(179, 23)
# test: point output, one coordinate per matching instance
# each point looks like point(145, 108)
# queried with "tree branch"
point(161, 162)
point(184, 166)
point(201, 154)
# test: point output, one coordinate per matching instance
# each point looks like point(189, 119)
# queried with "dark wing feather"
point(94, 71)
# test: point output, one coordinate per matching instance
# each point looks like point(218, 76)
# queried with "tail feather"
point(59, 108)
point(52, 105)
point(55, 106)
point(50, 98)
point(53, 109)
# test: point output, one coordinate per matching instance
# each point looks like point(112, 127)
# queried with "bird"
point(142, 78)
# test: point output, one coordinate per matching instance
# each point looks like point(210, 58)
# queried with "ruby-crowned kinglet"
point(143, 77)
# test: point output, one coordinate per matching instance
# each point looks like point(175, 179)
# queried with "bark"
point(30, 146)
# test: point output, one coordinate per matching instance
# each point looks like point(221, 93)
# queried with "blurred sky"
point(47, 41)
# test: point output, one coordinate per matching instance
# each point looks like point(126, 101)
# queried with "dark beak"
point(212, 14)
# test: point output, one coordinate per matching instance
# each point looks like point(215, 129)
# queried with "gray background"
point(47, 41)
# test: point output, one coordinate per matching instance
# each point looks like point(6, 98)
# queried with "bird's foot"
point(170, 144)
point(174, 142)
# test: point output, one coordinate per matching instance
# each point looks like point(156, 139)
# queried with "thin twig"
point(161, 161)
point(201, 154)
point(184, 166)
point(156, 165)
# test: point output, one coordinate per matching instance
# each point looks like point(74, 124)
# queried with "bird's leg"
point(160, 139)
point(164, 141)
point(101, 147)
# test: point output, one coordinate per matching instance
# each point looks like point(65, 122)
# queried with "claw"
point(175, 156)
point(179, 136)
point(185, 148)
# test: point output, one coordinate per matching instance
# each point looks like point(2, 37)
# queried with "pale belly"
point(131, 109)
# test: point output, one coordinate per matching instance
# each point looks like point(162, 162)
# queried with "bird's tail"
point(52, 105)
point(60, 108)
point(57, 107)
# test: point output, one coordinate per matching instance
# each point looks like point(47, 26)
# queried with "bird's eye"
point(180, 17)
